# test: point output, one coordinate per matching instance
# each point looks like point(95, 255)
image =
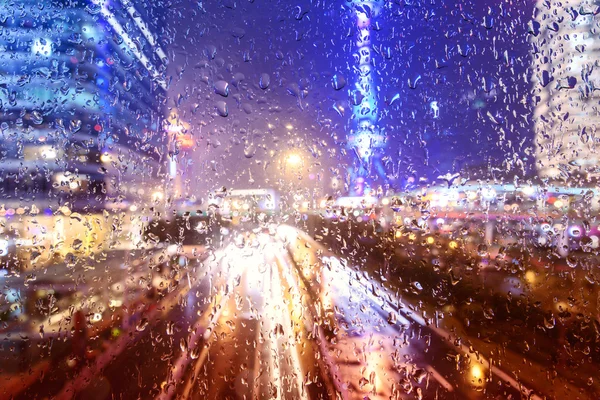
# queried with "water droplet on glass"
point(482, 250)
point(412, 83)
point(222, 108)
point(238, 77)
point(247, 108)
point(222, 88)
point(249, 150)
point(265, 81)
point(338, 81)
point(356, 98)
point(195, 353)
point(571, 262)
point(419, 375)
point(545, 78)
point(170, 327)
point(549, 322)
point(294, 90)
point(74, 125)
point(340, 108)
point(142, 324)
point(392, 318)
point(36, 117)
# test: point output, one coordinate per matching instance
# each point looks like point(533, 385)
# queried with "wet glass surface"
point(252, 199)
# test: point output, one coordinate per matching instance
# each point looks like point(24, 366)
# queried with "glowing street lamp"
point(293, 160)
point(157, 196)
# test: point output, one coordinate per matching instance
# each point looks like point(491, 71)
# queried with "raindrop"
point(249, 150)
point(238, 32)
point(586, 225)
point(533, 27)
point(545, 78)
point(576, 232)
point(195, 353)
point(571, 262)
point(340, 108)
point(75, 125)
point(392, 318)
point(488, 313)
point(247, 108)
point(238, 77)
point(356, 98)
point(363, 382)
point(222, 88)
point(419, 375)
point(338, 81)
point(211, 51)
point(549, 322)
point(222, 109)
point(412, 83)
point(294, 90)
point(488, 22)
point(265, 81)
point(567, 83)
point(36, 117)
point(141, 326)
point(300, 12)
point(482, 250)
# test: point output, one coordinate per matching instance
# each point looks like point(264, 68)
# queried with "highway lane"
point(252, 349)
point(281, 317)
point(225, 327)
point(507, 301)
point(384, 348)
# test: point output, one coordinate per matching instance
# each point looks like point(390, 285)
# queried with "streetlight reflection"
point(293, 160)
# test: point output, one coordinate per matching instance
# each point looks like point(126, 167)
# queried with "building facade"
point(82, 144)
point(566, 77)
point(82, 93)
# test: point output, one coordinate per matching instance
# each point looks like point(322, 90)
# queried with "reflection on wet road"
point(382, 348)
point(279, 317)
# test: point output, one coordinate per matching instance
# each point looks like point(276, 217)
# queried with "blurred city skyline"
point(483, 94)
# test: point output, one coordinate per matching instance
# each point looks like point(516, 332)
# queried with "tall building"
point(566, 78)
point(81, 93)
point(366, 137)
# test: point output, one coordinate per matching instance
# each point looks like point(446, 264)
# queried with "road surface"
point(276, 317)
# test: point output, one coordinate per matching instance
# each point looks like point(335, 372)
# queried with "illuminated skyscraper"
point(566, 79)
point(365, 137)
point(81, 98)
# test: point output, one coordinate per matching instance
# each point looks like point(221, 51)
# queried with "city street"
point(355, 200)
point(279, 316)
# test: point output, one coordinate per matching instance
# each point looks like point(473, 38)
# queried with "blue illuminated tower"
point(366, 138)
